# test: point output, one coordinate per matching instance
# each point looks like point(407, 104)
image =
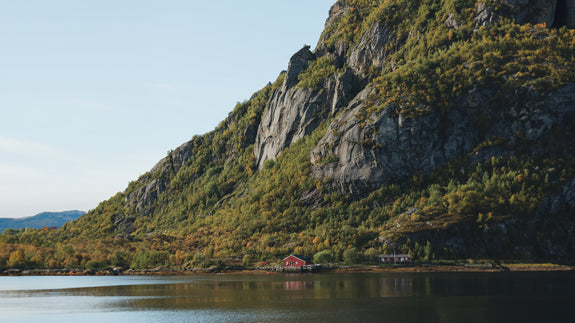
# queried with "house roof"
point(396, 255)
point(300, 257)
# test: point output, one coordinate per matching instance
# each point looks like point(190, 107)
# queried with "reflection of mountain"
point(46, 219)
point(403, 297)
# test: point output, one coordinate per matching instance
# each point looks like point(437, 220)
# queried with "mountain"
point(443, 129)
point(45, 219)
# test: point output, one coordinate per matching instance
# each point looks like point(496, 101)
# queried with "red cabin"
point(296, 261)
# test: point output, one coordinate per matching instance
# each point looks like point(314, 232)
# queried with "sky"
point(94, 93)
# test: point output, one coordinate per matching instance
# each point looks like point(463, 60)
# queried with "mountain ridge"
point(44, 219)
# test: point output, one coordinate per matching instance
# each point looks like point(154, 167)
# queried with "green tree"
point(324, 256)
point(2, 264)
point(351, 256)
point(119, 258)
point(93, 265)
point(428, 252)
point(371, 255)
point(144, 259)
point(247, 260)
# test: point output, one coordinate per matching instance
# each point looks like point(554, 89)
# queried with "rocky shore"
point(521, 267)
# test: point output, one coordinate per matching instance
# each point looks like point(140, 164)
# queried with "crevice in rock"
point(560, 18)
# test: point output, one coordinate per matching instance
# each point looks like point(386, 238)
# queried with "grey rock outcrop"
point(336, 11)
point(485, 14)
point(290, 113)
point(369, 52)
point(386, 147)
point(452, 22)
point(552, 13)
point(297, 64)
point(535, 116)
point(147, 195)
point(156, 179)
point(294, 112)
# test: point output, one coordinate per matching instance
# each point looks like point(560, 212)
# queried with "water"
point(385, 297)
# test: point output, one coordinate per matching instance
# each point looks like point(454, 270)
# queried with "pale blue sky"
point(94, 93)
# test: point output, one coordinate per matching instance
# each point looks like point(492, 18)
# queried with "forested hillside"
point(443, 129)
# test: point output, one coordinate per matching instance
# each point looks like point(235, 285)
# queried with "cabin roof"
point(300, 257)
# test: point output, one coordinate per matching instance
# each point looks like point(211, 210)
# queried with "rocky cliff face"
point(291, 112)
point(294, 112)
point(386, 147)
point(552, 13)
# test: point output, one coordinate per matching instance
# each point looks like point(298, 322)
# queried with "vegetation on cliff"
point(207, 203)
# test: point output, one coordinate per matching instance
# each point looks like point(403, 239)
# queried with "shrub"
point(315, 74)
point(351, 256)
point(324, 256)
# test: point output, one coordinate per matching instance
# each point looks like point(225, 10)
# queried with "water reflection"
point(297, 285)
point(451, 297)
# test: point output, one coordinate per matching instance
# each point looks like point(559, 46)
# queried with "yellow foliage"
point(316, 240)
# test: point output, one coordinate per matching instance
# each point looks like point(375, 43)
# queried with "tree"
point(371, 255)
point(2, 263)
point(324, 256)
point(92, 265)
point(17, 260)
point(351, 256)
point(149, 259)
point(119, 258)
point(247, 260)
point(428, 252)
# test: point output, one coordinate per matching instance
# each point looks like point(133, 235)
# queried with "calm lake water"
point(386, 297)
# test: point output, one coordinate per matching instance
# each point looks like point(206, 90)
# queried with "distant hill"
point(48, 219)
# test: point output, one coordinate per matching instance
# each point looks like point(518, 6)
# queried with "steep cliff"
point(389, 147)
point(386, 146)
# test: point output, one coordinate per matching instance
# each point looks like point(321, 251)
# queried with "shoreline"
point(458, 268)
point(424, 268)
